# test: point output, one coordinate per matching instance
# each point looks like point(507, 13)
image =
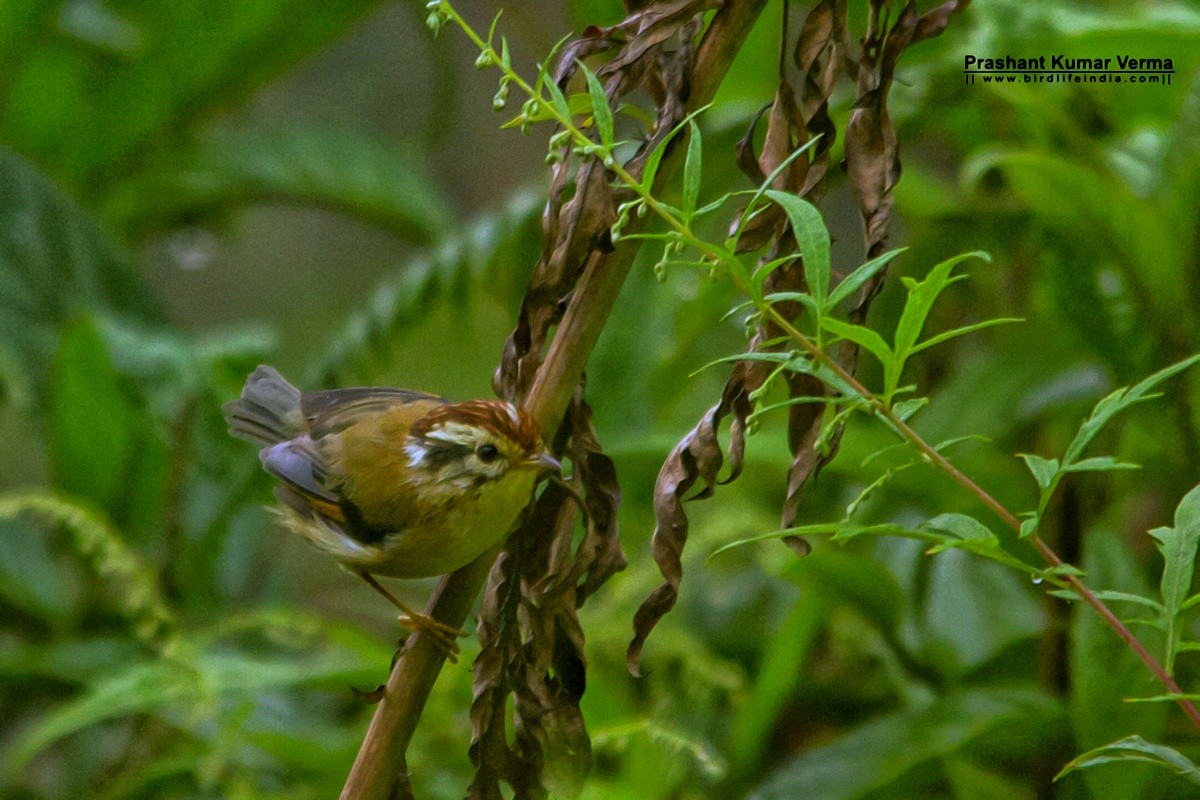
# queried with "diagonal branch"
point(378, 771)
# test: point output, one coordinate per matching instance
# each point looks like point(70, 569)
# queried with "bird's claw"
point(444, 636)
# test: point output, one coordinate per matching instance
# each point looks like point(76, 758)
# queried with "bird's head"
point(463, 446)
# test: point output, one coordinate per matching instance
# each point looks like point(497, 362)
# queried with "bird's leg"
point(444, 635)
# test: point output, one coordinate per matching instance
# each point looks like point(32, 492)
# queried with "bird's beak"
point(544, 463)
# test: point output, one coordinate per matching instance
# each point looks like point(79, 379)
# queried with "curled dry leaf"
point(821, 54)
point(532, 646)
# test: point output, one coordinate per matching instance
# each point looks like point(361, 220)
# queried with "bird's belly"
point(460, 535)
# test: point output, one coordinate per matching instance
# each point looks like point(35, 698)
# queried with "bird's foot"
point(444, 636)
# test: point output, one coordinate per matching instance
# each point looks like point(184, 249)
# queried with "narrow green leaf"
point(868, 759)
point(812, 238)
point(1100, 464)
point(1135, 748)
point(94, 426)
point(874, 486)
point(972, 535)
point(650, 171)
point(948, 335)
point(364, 177)
point(1029, 526)
point(848, 531)
point(1044, 469)
point(803, 298)
point(971, 437)
point(771, 358)
point(861, 335)
point(861, 274)
point(692, 167)
point(601, 110)
point(1117, 402)
point(819, 529)
point(752, 209)
point(781, 669)
point(920, 300)
point(906, 408)
point(1113, 596)
point(1178, 547)
point(565, 108)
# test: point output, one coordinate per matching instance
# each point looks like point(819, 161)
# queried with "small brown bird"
point(393, 482)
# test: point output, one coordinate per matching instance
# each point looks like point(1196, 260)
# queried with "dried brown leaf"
point(822, 52)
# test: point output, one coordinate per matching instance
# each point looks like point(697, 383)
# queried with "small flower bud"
point(484, 60)
point(501, 96)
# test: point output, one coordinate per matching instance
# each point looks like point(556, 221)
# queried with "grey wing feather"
point(298, 463)
point(334, 410)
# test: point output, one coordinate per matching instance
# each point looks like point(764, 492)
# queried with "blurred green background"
point(189, 189)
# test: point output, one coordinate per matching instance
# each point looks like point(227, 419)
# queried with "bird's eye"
point(487, 453)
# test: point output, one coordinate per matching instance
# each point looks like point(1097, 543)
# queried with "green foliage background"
point(187, 189)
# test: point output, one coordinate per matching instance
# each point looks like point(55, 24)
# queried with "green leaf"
point(93, 424)
point(768, 357)
point(917, 305)
point(781, 669)
point(650, 171)
point(921, 297)
point(967, 529)
point(55, 264)
point(812, 239)
point(343, 171)
point(861, 335)
point(692, 167)
point(948, 335)
point(111, 116)
point(861, 274)
point(1044, 469)
point(906, 408)
point(818, 529)
point(803, 298)
point(1135, 749)
point(126, 690)
point(1178, 547)
point(601, 110)
point(175, 689)
point(1100, 464)
point(1118, 401)
point(1114, 596)
point(874, 755)
point(1029, 526)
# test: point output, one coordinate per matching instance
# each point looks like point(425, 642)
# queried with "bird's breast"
point(455, 532)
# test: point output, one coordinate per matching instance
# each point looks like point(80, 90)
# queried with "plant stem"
point(377, 770)
point(941, 462)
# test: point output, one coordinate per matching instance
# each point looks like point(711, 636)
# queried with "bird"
point(393, 482)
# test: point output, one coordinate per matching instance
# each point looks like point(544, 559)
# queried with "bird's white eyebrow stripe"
point(455, 433)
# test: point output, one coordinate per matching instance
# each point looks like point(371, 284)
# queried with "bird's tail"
point(268, 410)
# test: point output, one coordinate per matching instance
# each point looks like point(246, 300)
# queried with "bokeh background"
point(189, 189)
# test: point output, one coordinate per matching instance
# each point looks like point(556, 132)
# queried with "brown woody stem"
point(377, 770)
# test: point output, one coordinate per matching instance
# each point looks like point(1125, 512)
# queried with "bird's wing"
point(299, 464)
point(333, 411)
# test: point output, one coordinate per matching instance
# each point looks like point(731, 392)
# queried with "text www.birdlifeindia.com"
point(1123, 69)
